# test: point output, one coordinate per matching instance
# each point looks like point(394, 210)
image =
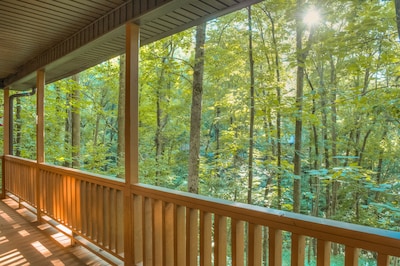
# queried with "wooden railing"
point(176, 228)
point(90, 206)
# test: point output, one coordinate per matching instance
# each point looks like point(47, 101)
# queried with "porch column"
point(6, 137)
point(40, 84)
point(131, 135)
point(132, 104)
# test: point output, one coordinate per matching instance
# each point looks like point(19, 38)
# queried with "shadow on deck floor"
point(23, 241)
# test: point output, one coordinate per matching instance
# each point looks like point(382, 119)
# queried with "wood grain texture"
point(23, 241)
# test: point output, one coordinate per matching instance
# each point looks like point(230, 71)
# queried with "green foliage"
point(351, 139)
point(98, 104)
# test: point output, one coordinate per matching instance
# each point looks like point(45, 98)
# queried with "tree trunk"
point(67, 130)
point(76, 124)
point(302, 54)
point(158, 137)
point(217, 158)
point(364, 144)
point(96, 129)
point(316, 162)
point(299, 106)
point(278, 112)
point(121, 118)
point(252, 110)
point(332, 198)
point(18, 128)
point(195, 119)
point(397, 6)
point(379, 169)
point(333, 96)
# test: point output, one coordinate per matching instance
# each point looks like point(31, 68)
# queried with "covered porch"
point(124, 221)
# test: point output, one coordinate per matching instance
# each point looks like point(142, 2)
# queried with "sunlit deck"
point(24, 241)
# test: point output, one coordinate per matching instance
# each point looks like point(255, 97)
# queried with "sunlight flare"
point(312, 16)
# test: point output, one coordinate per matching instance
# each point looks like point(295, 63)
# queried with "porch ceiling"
point(67, 36)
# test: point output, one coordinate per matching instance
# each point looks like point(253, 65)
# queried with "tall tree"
point(161, 114)
point(121, 118)
point(278, 122)
point(195, 119)
point(252, 109)
point(301, 56)
point(397, 6)
point(76, 123)
point(68, 127)
point(299, 109)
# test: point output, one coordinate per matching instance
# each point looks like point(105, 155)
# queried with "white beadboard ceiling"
point(67, 36)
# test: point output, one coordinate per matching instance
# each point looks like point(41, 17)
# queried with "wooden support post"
point(3, 179)
point(131, 136)
point(6, 136)
point(6, 122)
point(132, 104)
point(40, 85)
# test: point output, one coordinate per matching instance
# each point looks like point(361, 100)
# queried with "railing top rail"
point(79, 174)
point(20, 160)
point(368, 238)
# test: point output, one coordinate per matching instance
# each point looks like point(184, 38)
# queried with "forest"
point(293, 110)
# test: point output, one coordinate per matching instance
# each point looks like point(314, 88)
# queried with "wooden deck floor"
point(26, 242)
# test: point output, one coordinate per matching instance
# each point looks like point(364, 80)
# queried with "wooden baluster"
point(113, 220)
point(254, 255)
point(275, 247)
point(383, 260)
point(78, 206)
point(84, 203)
point(148, 232)
point(351, 256)
point(91, 208)
point(205, 238)
point(323, 252)
point(121, 232)
point(107, 217)
point(169, 235)
point(237, 243)
point(180, 236)
point(192, 240)
point(138, 232)
point(220, 238)
point(99, 214)
point(158, 232)
point(298, 249)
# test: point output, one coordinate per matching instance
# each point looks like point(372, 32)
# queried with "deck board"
point(23, 241)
